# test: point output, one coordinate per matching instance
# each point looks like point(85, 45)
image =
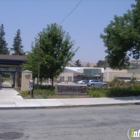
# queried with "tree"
point(102, 63)
point(88, 64)
point(122, 38)
point(3, 44)
point(133, 66)
point(54, 49)
point(78, 63)
point(33, 60)
point(17, 44)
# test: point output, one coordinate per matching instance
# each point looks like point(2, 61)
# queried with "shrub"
point(40, 93)
point(133, 90)
point(44, 87)
point(24, 93)
point(97, 92)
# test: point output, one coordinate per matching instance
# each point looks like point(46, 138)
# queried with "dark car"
point(97, 83)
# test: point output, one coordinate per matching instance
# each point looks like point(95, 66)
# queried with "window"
point(62, 79)
point(94, 81)
point(69, 79)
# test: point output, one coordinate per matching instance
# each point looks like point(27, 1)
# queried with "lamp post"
point(38, 75)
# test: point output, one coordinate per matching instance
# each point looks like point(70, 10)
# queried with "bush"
point(124, 91)
point(24, 93)
point(117, 83)
point(97, 92)
point(118, 91)
point(133, 90)
point(44, 87)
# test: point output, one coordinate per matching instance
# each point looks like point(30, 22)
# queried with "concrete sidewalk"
point(9, 99)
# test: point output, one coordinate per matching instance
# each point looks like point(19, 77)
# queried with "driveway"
point(7, 93)
point(6, 84)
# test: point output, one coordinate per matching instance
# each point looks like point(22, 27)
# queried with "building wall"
point(67, 77)
point(74, 74)
point(110, 74)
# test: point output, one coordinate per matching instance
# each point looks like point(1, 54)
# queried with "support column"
point(26, 76)
point(16, 80)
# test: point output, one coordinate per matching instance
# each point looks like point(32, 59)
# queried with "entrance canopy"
point(11, 63)
point(12, 59)
point(10, 69)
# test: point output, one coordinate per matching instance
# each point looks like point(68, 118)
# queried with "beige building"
point(110, 74)
point(74, 74)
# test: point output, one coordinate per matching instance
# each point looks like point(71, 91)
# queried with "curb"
point(69, 106)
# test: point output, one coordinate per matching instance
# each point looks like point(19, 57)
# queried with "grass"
point(97, 92)
point(117, 90)
point(46, 92)
point(42, 92)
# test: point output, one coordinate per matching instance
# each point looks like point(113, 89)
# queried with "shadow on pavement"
point(130, 98)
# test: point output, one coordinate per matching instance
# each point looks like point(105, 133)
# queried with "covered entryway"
point(10, 70)
point(7, 77)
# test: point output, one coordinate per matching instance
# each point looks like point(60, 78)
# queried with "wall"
point(66, 75)
point(110, 74)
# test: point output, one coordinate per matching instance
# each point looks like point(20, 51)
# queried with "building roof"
point(80, 69)
point(73, 68)
point(12, 57)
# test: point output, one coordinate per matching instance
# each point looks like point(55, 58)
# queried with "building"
point(74, 74)
point(126, 75)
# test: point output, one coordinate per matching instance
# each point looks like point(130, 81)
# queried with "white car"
point(82, 82)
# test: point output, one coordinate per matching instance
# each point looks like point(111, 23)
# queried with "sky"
point(84, 24)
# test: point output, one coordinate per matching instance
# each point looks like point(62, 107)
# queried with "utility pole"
point(38, 75)
point(38, 79)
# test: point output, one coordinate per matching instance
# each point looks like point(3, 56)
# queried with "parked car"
point(82, 82)
point(97, 83)
point(127, 80)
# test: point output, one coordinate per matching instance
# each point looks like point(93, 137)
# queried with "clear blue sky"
point(84, 25)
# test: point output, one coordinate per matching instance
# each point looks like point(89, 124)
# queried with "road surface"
point(89, 123)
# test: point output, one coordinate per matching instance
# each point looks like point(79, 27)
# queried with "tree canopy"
point(52, 50)
point(3, 44)
point(88, 64)
point(122, 38)
point(102, 63)
point(17, 44)
point(33, 60)
point(78, 63)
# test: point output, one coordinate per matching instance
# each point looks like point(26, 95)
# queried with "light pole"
point(38, 75)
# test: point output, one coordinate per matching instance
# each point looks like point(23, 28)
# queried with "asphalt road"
point(92, 123)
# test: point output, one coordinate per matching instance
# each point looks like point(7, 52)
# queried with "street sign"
point(31, 84)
